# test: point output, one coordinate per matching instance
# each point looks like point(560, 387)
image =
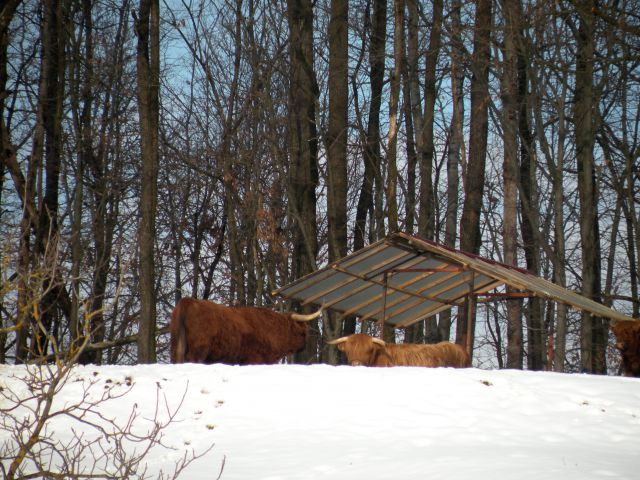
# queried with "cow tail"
point(178, 335)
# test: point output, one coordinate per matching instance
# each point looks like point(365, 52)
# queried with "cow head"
point(360, 349)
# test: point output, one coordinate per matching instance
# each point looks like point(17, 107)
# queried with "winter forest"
point(221, 149)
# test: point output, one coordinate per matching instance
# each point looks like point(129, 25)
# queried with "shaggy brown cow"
point(205, 332)
point(362, 349)
point(628, 342)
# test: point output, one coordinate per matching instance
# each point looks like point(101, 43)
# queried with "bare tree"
point(337, 184)
point(427, 151)
point(148, 62)
point(547, 95)
point(242, 182)
point(96, 446)
point(394, 99)
point(426, 148)
point(372, 174)
point(455, 147)
point(303, 147)
point(529, 207)
point(475, 172)
point(592, 334)
point(7, 149)
point(509, 84)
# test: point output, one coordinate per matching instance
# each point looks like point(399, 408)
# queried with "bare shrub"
point(47, 435)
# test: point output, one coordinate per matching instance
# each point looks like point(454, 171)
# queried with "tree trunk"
point(633, 233)
point(413, 105)
point(94, 159)
point(475, 172)
point(455, 148)
point(530, 216)
point(7, 149)
point(100, 204)
point(394, 99)
point(81, 101)
point(337, 184)
point(372, 147)
point(371, 153)
point(231, 182)
point(51, 98)
point(559, 273)
point(592, 341)
point(303, 92)
point(509, 85)
point(426, 216)
point(52, 90)
point(426, 153)
point(409, 77)
point(148, 71)
point(25, 189)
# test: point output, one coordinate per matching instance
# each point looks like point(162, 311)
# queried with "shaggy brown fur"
point(205, 332)
point(362, 349)
point(628, 342)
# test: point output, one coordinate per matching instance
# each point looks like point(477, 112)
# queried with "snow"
point(280, 422)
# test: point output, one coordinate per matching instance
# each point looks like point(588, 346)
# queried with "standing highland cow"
point(205, 332)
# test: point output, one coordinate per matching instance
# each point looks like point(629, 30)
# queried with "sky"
point(308, 422)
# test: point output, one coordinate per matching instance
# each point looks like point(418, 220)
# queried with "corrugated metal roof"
point(403, 279)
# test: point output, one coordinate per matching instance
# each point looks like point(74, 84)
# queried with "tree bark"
point(25, 189)
point(52, 94)
point(80, 94)
point(475, 172)
point(409, 79)
point(148, 72)
point(394, 99)
point(426, 215)
point(337, 184)
point(592, 345)
point(509, 85)
point(559, 273)
point(372, 175)
point(7, 149)
point(413, 333)
point(530, 215)
point(455, 148)
point(633, 232)
point(426, 155)
point(303, 147)
point(52, 90)
point(95, 160)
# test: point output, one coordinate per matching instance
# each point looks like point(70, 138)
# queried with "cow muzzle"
point(356, 363)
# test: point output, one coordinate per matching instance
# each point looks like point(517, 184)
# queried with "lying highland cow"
point(364, 350)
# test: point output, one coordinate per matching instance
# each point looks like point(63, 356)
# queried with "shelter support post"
point(551, 322)
point(385, 282)
point(471, 316)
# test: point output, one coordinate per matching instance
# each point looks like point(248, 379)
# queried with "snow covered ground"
point(285, 422)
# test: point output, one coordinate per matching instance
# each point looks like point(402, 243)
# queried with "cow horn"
point(378, 341)
point(306, 318)
point(337, 341)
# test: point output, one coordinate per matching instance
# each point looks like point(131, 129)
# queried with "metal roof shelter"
point(403, 279)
